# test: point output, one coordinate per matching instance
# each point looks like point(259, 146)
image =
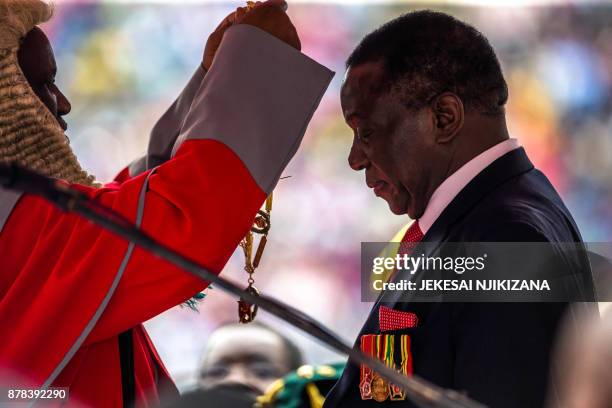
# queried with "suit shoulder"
point(524, 209)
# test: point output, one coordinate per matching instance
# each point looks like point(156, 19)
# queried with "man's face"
point(394, 145)
point(250, 355)
point(37, 62)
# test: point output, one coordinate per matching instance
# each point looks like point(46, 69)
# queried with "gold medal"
point(380, 388)
point(247, 311)
point(396, 393)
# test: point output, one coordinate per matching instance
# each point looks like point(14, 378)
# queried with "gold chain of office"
point(261, 226)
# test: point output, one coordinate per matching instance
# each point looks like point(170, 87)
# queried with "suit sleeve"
point(503, 349)
point(201, 202)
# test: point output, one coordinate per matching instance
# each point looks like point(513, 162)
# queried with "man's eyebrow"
point(251, 357)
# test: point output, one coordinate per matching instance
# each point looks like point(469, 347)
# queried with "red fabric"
point(411, 238)
point(390, 319)
point(57, 267)
point(365, 382)
point(124, 175)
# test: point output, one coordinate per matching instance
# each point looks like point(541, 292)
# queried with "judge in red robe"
point(68, 288)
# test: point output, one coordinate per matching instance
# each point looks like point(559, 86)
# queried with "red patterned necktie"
point(412, 237)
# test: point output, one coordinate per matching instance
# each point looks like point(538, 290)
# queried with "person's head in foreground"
point(31, 124)
point(423, 95)
point(251, 356)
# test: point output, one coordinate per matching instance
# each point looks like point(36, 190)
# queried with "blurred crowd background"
point(121, 64)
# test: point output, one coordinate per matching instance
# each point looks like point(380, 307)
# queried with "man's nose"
point(238, 375)
point(357, 158)
point(63, 105)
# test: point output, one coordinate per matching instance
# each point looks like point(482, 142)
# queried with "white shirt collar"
point(448, 190)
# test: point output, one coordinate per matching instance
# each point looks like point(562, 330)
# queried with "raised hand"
point(269, 16)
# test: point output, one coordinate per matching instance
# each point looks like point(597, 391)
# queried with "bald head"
point(252, 355)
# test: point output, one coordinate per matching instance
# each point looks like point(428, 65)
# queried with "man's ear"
point(449, 115)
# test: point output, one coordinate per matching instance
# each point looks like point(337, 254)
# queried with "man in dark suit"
point(424, 95)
